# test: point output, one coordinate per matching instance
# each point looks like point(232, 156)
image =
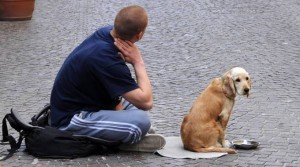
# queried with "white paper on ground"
point(174, 149)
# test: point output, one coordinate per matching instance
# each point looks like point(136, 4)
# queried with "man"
point(94, 93)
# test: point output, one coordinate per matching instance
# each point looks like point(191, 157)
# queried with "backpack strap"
point(19, 125)
point(4, 129)
point(14, 145)
point(42, 118)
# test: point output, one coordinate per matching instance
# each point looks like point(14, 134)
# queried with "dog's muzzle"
point(246, 91)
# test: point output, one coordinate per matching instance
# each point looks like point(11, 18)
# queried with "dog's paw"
point(226, 144)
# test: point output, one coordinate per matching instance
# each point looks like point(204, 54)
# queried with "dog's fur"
point(203, 128)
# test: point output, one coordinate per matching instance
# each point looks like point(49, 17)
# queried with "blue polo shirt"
point(92, 78)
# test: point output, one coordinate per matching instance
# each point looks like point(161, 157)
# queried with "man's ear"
point(228, 86)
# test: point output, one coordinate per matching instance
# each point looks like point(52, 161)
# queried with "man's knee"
point(141, 120)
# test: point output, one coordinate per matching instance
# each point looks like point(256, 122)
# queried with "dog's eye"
point(247, 78)
point(238, 80)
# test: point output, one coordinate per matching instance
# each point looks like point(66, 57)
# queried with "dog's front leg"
point(223, 120)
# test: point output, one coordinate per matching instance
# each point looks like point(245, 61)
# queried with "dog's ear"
point(228, 86)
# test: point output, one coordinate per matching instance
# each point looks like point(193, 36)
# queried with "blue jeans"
point(126, 126)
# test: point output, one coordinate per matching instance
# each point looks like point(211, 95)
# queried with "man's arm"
point(142, 97)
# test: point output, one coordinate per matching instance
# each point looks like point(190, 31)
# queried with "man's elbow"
point(147, 106)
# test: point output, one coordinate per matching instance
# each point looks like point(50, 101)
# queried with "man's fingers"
point(119, 45)
point(128, 50)
point(128, 43)
point(124, 43)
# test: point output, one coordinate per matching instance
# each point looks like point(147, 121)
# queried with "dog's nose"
point(246, 90)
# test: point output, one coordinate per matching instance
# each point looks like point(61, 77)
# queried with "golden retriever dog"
point(203, 128)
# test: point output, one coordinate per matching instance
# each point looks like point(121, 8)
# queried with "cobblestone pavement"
point(187, 43)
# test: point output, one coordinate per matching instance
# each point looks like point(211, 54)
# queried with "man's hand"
point(141, 98)
point(119, 106)
point(129, 51)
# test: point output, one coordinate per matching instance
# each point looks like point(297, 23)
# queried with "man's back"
point(92, 78)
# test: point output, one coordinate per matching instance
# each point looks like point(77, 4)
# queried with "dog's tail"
point(215, 149)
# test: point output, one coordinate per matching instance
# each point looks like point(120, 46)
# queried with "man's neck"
point(114, 35)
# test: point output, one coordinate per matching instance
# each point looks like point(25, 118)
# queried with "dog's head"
point(236, 81)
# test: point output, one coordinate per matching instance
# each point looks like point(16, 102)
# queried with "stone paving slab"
point(187, 43)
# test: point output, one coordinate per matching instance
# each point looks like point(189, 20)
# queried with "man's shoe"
point(149, 143)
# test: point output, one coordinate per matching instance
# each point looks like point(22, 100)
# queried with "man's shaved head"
point(130, 21)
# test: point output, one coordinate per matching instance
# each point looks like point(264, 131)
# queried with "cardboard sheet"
point(174, 149)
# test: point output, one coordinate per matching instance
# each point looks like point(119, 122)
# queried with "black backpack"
point(44, 141)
